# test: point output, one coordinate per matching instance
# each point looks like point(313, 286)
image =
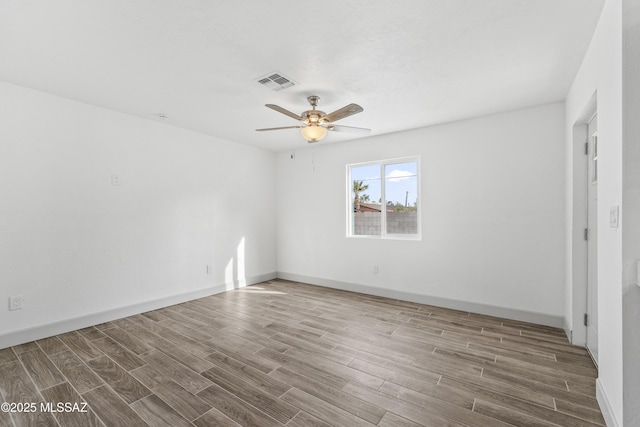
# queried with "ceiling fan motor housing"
point(313, 117)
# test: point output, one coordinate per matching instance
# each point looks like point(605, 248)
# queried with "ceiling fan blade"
point(286, 127)
point(283, 111)
point(349, 129)
point(346, 111)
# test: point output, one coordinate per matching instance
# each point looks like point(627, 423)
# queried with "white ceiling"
point(409, 63)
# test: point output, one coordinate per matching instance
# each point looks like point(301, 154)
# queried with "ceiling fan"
point(316, 123)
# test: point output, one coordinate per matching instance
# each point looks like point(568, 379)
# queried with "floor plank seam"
point(433, 365)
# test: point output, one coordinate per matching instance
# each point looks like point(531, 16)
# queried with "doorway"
point(591, 234)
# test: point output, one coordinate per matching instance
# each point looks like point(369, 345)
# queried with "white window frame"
point(383, 217)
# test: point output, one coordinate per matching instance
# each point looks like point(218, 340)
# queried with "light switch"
point(614, 213)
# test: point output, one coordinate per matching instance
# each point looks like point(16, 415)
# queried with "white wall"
point(74, 245)
point(492, 215)
point(601, 74)
point(631, 210)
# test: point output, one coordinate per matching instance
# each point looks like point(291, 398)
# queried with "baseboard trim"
point(605, 406)
point(567, 330)
point(59, 327)
point(490, 310)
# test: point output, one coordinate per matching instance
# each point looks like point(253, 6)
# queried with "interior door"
point(592, 240)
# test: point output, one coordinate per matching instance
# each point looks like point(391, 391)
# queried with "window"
point(383, 198)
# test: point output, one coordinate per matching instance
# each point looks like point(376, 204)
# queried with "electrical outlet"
point(375, 269)
point(209, 269)
point(15, 302)
point(116, 180)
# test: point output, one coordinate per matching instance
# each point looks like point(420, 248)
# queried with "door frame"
point(577, 276)
point(592, 241)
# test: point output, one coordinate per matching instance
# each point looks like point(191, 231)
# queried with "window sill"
point(414, 237)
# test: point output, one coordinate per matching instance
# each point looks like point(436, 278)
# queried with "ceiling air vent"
point(275, 81)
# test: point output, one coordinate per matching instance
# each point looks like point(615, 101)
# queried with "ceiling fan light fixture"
point(313, 133)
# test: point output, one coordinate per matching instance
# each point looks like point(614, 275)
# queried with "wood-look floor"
point(284, 353)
